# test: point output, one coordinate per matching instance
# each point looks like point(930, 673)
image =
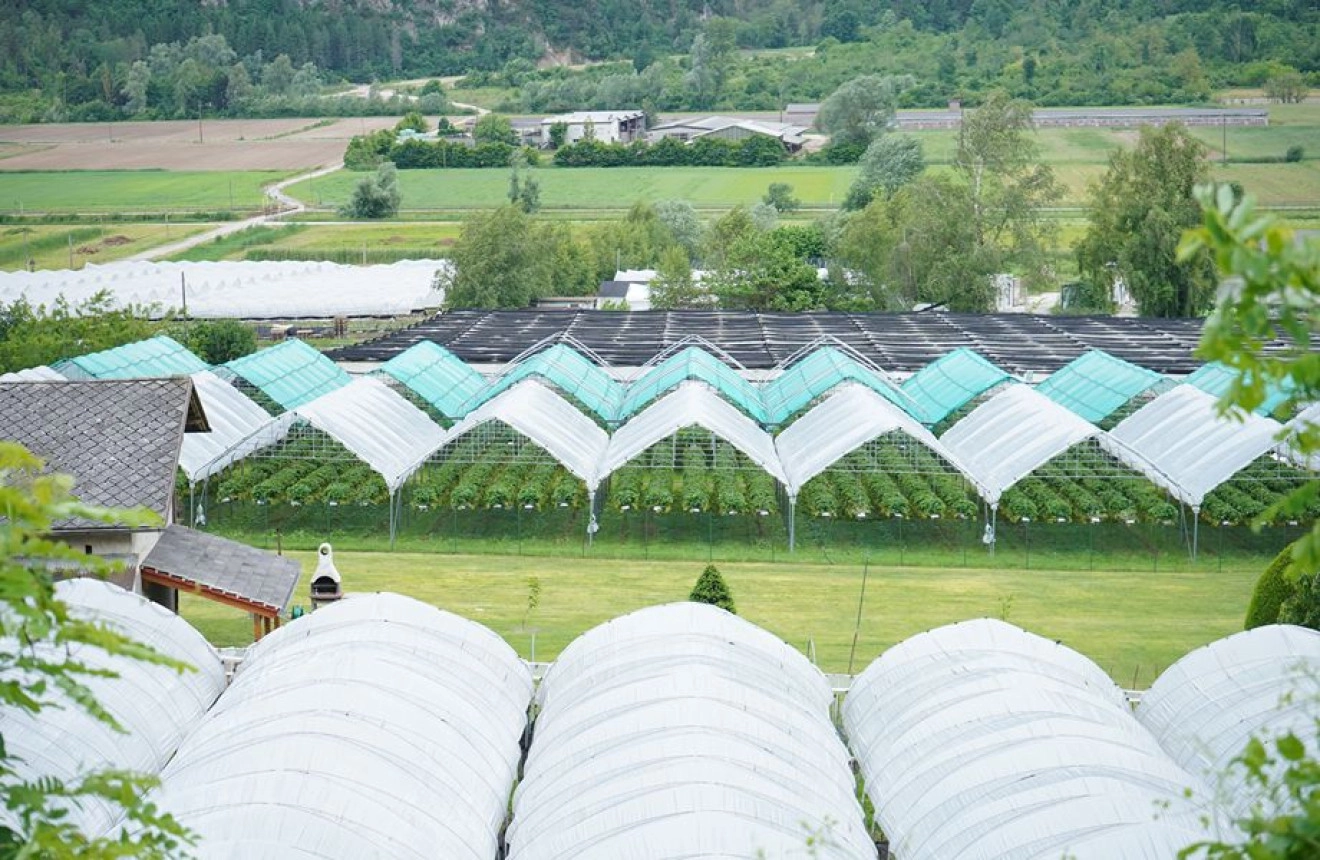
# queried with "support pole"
point(1196, 529)
point(393, 517)
point(792, 523)
point(861, 601)
point(592, 525)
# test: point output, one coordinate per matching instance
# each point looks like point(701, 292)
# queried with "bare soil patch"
point(222, 144)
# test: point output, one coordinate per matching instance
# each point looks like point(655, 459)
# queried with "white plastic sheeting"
point(1013, 433)
point(375, 727)
point(684, 731)
point(1262, 683)
point(156, 705)
point(546, 418)
point(33, 374)
point(980, 740)
point(246, 290)
point(1194, 448)
point(691, 404)
point(233, 418)
point(377, 424)
point(844, 421)
point(1308, 416)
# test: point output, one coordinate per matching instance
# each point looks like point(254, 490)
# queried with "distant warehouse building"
point(607, 126)
point(729, 128)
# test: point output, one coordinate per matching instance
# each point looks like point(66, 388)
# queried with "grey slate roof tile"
point(120, 439)
point(238, 570)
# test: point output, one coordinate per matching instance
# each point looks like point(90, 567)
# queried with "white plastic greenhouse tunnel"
point(156, 705)
point(980, 740)
point(685, 731)
point(378, 726)
point(1262, 683)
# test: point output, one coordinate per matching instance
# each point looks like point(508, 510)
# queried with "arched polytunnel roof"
point(691, 403)
point(1010, 435)
point(950, 382)
point(1261, 683)
point(290, 373)
point(818, 372)
point(572, 373)
point(547, 419)
point(1096, 384)
point(980, 740)
point(684, 731)
point(156, 705)
point(1310, 416)
point(1195, 449)
point(847, 419)
point(233, 418)
point(156, 356)
point(33, 374)
point(693, 363)
point(376, 423)
point(437, 376)
point(1215, 378)
point(374, 727)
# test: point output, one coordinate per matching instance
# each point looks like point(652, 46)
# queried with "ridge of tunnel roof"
point(951, 381)
point(846, 419)
point(1216, 379)
point(161, 355)
point(543, 416)
point(569, 371)
point(691, 403)
point(1096, 384)
point(1193, 447)
point(291, 373)
point(233, 417)
point(437, 376)
point(1010, 435)
point(691, 363)
point(377, 424)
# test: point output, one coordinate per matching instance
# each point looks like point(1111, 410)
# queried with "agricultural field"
point(1134, 624)
point(133, 191)
point(214, 144)
point(72, 247)
point(343, 243)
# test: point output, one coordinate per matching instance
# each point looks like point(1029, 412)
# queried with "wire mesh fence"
point(570, 531)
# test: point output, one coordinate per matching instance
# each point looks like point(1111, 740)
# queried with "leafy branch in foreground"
point(1270, 292)
point(39, 670)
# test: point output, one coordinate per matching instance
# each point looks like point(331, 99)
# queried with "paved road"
point(286, 204)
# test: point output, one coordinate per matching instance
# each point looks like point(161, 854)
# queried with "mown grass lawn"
point(49, 246)
point(1133, 624)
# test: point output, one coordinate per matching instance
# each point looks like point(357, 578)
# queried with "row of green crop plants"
point(721, 481)
point(695, 477)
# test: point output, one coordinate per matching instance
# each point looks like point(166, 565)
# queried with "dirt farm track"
point(225, 144)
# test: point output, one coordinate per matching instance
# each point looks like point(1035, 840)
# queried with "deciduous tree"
point(1137, 215)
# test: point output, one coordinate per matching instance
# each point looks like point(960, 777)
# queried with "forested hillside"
point(65, 59)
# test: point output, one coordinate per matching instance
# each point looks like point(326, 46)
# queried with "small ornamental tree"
point(711, 588)
point(1272, 589)
point(218, 341)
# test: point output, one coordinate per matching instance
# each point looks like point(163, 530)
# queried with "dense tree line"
point(68, 57)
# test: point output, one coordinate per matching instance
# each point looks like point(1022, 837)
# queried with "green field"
point(595, 188)
point(73, 247)
point(343, 242)
point(133, 191)
point(1132, 624)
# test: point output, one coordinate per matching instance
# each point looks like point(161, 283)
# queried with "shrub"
point(710, 588)
point(1272, 589)
point(1302, 606)
point(1294, 154)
